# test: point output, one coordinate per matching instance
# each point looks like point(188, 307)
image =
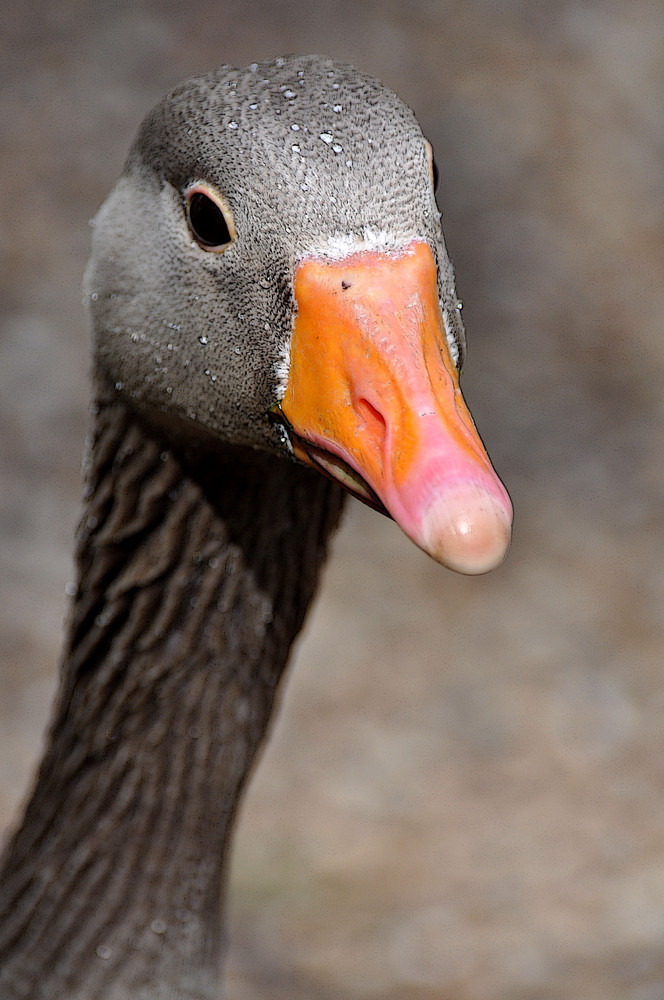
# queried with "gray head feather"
point(313, 158)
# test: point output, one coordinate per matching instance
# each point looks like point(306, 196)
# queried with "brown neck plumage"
point(193, 581)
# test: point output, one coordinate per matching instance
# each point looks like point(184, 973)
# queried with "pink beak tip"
point(468, 530)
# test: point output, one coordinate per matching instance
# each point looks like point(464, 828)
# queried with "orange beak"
point(373, 399)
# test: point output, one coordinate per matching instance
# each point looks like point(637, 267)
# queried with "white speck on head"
point(451, 340)
point(282, 369)
point(342, 245)
point(326, 137)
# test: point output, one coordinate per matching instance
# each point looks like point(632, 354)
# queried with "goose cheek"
point(373, 384)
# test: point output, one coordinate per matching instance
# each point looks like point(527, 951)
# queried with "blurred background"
point(463, 796)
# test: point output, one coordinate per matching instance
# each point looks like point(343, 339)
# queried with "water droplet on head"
point(337, 108)
point(158, 927)
point(295, 128)
point(94, 296)
point(103, 951)
point(232, 124)
point(326, 137)
point(253, 106)
point(338, 148)
point(295, 148)
point(289, 94)
point(203, 340)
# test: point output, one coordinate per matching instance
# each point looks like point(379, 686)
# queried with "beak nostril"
point(370, 414)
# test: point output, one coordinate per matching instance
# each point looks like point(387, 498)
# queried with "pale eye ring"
point(209, 218)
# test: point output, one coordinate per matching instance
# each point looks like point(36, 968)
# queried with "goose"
point(275, 325)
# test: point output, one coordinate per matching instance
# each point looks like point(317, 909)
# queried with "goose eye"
point(210, 219)
point(433, 169)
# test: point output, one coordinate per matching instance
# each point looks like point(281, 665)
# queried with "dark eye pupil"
point(207, 221)
point(436, 175)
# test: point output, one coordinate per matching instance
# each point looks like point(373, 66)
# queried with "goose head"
point(270, 272)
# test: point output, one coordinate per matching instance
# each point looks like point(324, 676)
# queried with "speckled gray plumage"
point(314, 158)
point(194, 576)
point(196, 559)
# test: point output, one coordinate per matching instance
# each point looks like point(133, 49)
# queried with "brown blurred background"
point(463, 797)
